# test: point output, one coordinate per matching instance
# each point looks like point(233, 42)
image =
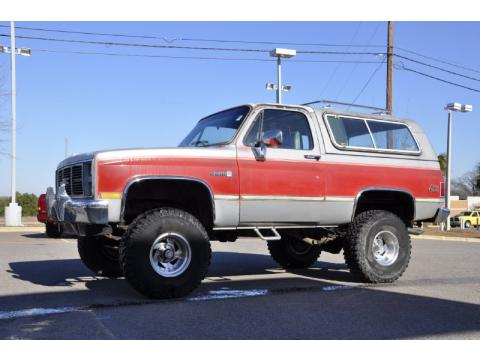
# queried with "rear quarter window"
point(349, 133)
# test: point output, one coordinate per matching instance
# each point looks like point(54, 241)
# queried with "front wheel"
point(377, 247)
point(165, 253)
point(293, 253)
point(100, 255)
point(468, 224)
point(53, 230)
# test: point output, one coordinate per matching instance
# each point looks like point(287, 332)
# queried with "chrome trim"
point(365, 149)
point(442, 215)
point(226, 197)
point(224, 228)
point(62, 208)
point(282, 197)
point(360, 193)
point(435, 200)
point(76, 159)
point(93, 174)
point(138, 179)
point(276, 235)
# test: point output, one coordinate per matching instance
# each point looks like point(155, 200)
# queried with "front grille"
point(77, 179)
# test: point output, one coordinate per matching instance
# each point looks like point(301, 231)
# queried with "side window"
point(252, 137)
point(392, 136)
point(350, 132)
point(293, 124)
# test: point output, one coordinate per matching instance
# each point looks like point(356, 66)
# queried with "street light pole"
point(279, 54)
point(14, 111)
point(279, 80)
point(13, 212)
point(449, 166)
point(448, 176)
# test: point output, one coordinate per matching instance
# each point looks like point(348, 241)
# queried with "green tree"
point(27, 201)
point(442, 160)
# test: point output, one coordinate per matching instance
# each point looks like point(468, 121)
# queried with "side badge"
point(227, 173)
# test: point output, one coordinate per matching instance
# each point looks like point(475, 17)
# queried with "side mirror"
point(273, 138)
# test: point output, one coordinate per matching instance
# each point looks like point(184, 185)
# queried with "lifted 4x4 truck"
point(305, 180)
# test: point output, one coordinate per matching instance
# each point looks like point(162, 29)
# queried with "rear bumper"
point(63, 209)
point(442, 215)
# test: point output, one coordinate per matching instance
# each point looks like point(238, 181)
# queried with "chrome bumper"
point(63, 209)
point(442, 215)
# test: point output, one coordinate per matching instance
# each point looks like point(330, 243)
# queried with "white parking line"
point(229, 294)
point(5, 315)
point(223, 293)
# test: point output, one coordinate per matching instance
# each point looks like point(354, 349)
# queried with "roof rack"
point(330, 102)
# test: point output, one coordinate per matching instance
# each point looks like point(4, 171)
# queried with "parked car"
point(52, 229)
point(304, 180)
point(469, 218)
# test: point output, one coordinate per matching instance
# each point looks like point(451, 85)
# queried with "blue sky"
point(101, 102)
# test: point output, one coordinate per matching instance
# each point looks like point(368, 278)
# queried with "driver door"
point(287, 186)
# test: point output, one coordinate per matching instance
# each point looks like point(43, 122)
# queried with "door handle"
point(312, 157)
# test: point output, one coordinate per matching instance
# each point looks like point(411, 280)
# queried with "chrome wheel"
point(385, 247)
point(170, 254)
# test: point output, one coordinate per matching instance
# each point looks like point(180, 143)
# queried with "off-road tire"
point(292, 253)
point(100, 255)
point(53, 230)
point(135, 248)
point(358, 251)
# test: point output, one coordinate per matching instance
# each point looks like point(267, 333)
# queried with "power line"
point(111, 43)
point(401, 66)
point(354, 68)
point(171, 40)
point(367, 83)
point(164, 38)
point(332, 75)
point(438, 60)
point(196, 57)
point(436, 67)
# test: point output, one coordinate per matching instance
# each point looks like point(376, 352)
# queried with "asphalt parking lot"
point(46, 293)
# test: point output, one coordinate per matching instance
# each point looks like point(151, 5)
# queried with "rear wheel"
point(100, 255)
point(291, 252)
point(165, 253)
point(53, 230)
point(377, 247)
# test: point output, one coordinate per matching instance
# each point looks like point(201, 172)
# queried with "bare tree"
point(468, 184)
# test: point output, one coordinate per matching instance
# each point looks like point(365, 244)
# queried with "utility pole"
point(390, 68)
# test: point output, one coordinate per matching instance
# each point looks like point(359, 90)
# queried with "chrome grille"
point(77, 179)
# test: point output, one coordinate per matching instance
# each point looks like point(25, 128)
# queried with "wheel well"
point(189, 195)
point(400, 203)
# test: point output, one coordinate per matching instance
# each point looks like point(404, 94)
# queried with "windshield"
point(219, 128)
point(467, 213)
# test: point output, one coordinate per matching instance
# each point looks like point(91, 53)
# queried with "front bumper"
point(442, 215)
point(62, 208)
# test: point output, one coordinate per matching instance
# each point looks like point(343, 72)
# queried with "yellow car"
point(470, 218)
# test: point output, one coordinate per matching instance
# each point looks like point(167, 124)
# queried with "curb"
point(13, 229)
point(445, 238)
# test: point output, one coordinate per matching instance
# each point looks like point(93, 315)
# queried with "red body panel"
point(114, 176)
point(287, 178)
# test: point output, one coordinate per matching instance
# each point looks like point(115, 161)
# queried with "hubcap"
point(385, 247)
point(170, 254)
